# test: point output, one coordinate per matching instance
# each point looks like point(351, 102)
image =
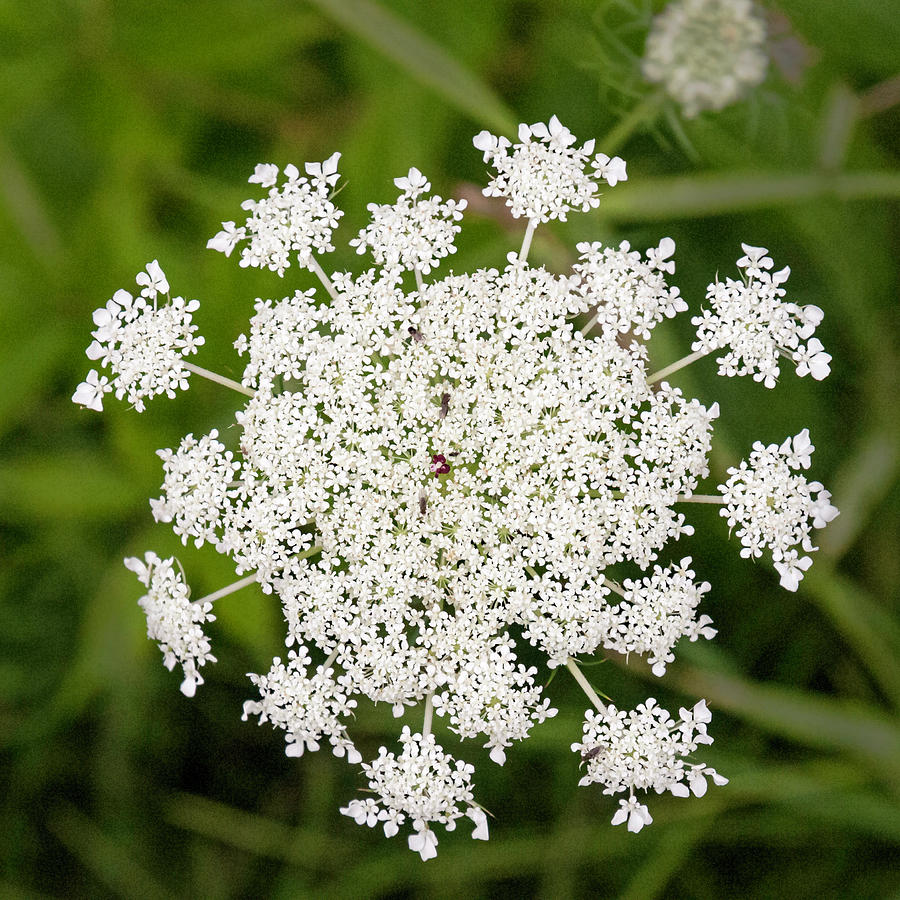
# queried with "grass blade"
point(430, 63)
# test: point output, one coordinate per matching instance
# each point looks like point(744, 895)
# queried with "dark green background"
point(127, 130)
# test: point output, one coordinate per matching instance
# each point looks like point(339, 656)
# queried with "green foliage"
point(126, 132)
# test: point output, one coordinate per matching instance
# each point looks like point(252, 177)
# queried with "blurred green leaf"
point(422, 57)
point(113, 863)
point(71, 485)
point(713, 194)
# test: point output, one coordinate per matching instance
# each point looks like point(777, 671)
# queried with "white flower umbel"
point(773, 506)
point(142, 343)
point(423, 784)
point(543, 179)
point(751, 318)
point(298, 216)
point(629, 293)
point(412, 234)
point(657, 611)
point(439, 481)
point(308, 707)
point(196, 487)
point(706, 53)
point(489, 694)
point(173, 621)
point(644, 749)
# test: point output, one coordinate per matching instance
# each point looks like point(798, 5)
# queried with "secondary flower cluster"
point(706, 53)
point(645, 748)
point(423, 470)
point(143, 344)
point(774, 507)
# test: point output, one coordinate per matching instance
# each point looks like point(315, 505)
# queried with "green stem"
point(218, 379)
point(319, 272)
point(699, 498)
point(583, 683)
point(429, 710)
point(680, 364)
point(644, 112)
point(228, 589)
point(526, 241)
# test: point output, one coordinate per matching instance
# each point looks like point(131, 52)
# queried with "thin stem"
point(307, 553)
point(645, 111)
point(429, 710)
point(680, 364)
point(699, 498)
point(228, 589)
point(319, 272)
point(331, 658)
point(419, 283)
point(591, 322)
point(614, 587)
point(526, 241)
point(583, 683)
point(218, 379)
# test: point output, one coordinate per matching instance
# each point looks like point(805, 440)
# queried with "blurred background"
point(127, 132)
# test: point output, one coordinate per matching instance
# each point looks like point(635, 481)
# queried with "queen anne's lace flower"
point(142, 343)
point(643, 749)
point(656, 611)
point(629, 294)
point(751, 318)
point(308, 707)
point(543, 179)
point(774, 507)
point(173, 621)
point(430, 480)
point(196, 487)
point(299, 216)
point(706, 53)
point(423, 784)
point(413, 233)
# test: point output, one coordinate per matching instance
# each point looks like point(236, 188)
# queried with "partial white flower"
point(706, 53)
point(774, 508)
point(197, 486)
point(751, 318)
point(656, 612)
point(641, 750)
point(424, 785)
point(412, 233)
point(543, 176)
point(143, 345)
point(173, 621)
point(153, 281)
point(297, 217)
point(628, 293)
point(308, 706)
point(91, 391)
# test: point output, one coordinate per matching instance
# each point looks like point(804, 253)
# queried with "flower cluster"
point(298, 216)
point(173, 621)
point(412, 234)
point(706, 53)
point(143, 344)
point(627, 293)
point(423, 784)
point(774, 506)
point(308, 707)
point(641, 749)
point(655, 612)
point(196, 487)
point(751, 318)
point(545, 178)
point(435, 478)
